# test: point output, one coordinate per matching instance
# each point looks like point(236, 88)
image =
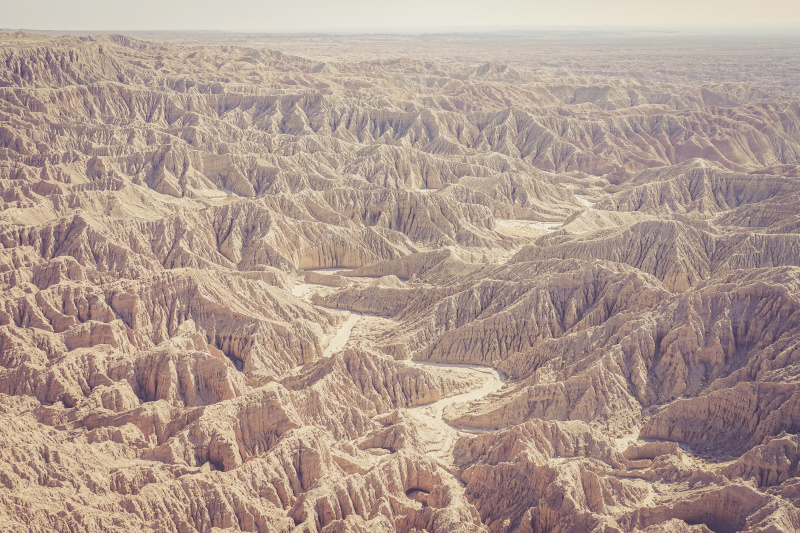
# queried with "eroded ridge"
point(505, 283)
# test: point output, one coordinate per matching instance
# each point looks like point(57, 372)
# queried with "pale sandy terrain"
point(522, 282)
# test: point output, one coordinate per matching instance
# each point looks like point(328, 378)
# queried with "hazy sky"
point(244, 15)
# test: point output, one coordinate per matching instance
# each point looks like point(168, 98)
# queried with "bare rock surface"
point(393, 283)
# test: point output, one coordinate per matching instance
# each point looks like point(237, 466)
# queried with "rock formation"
point(429, 287)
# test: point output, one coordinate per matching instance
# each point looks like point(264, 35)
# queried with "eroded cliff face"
point(249, 290)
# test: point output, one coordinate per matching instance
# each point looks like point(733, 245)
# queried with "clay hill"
point(398, 284)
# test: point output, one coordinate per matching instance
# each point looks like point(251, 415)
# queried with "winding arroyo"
point(438, 435)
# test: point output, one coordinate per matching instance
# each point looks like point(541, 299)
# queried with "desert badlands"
point(497, 283)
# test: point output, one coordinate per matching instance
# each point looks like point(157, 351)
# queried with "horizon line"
point(459, 29)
